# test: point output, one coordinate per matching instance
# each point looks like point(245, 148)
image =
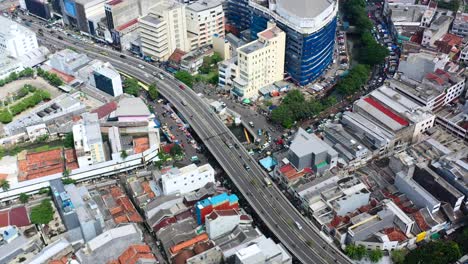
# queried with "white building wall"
point(221, 225)
point(205, 23)
point(190, 178)
point(15, 39)
point(262, 66)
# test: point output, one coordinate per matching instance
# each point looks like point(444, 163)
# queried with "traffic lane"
point(295, 217)
point(292, 243)
point(205, 116)
point(279, 218)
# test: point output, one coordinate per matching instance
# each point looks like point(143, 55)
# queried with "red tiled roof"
point(147, 189)
point(19, 217)
point(386, 111)
point(4, 218)
point(65, 77)
point(126, 25)
point(124, 212)
point(114, 2)
point(3, 176)
point(395, 234)
point(135, 253)
point(105, 110)
point(420, 221)
point(40, 164)
point(176, 56)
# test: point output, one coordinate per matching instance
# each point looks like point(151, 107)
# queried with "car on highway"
point(141, 66)
point(181, 87)
point(251, 124)
point(183, 103)
point(60, 37)
point(122, 56)
point(246, 167)
point(298, 226)
point(161, 76)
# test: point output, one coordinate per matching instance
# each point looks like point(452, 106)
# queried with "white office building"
point(15, 39)
point(164, 30)
point(88, 140)
point(260, 62)
point(187, 179)
point(205, 18)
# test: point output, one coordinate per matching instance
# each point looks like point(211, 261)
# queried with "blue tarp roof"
point(268, 162)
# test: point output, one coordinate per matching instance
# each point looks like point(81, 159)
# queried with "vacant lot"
point(38, 83)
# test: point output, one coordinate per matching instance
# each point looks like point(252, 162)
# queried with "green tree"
point(45, 190)
point(462, 240)
point(66, 173)
point(131, 86)
point(355, 252)
point(123, 154)
point(214, 79)
point(375, 255)
point(176, 150)
point(24, 198)
point(434, 252)
point(153, 92)
point(66, 180)
point(452, 5)
point(185, 77)
point(5, 116)
point(42, 213)
point(216, 57)
point(68, 141)
point(5, 185)
point(282, 115)
point(398, 256)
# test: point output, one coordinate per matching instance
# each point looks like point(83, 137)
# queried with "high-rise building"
point(84, 15)
point(238, 15)
point(108, 80)
point(310, 28)
point(120, 13)
point(16, 40)
point(40, 8)
point(205, 18)
point(164, 30)
point(88, 140)
point(260, 62)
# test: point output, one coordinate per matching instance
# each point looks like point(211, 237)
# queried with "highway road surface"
point(298, 234)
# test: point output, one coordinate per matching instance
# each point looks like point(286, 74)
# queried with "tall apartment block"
point(310, 27)
point(260, 62)
point(238, 15)
point(88, 141)
point(164, 29)
point(205, 18)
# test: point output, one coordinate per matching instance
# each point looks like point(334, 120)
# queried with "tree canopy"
point(153, 92)
point(68, 141)
point(185, 77)
point(24, 198)
point(131, 86)
point(375, 255)
point(356, 78)
point(434, 252)
point(355, 252)
point(42, 213)
point(5, 185)
point(462, 240)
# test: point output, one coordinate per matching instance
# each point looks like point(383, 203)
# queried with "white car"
point(141, 66)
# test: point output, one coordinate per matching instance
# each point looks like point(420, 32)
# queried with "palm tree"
point(5, 185)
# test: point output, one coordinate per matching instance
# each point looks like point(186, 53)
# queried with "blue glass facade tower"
point(307, 54)
point(237, 14)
